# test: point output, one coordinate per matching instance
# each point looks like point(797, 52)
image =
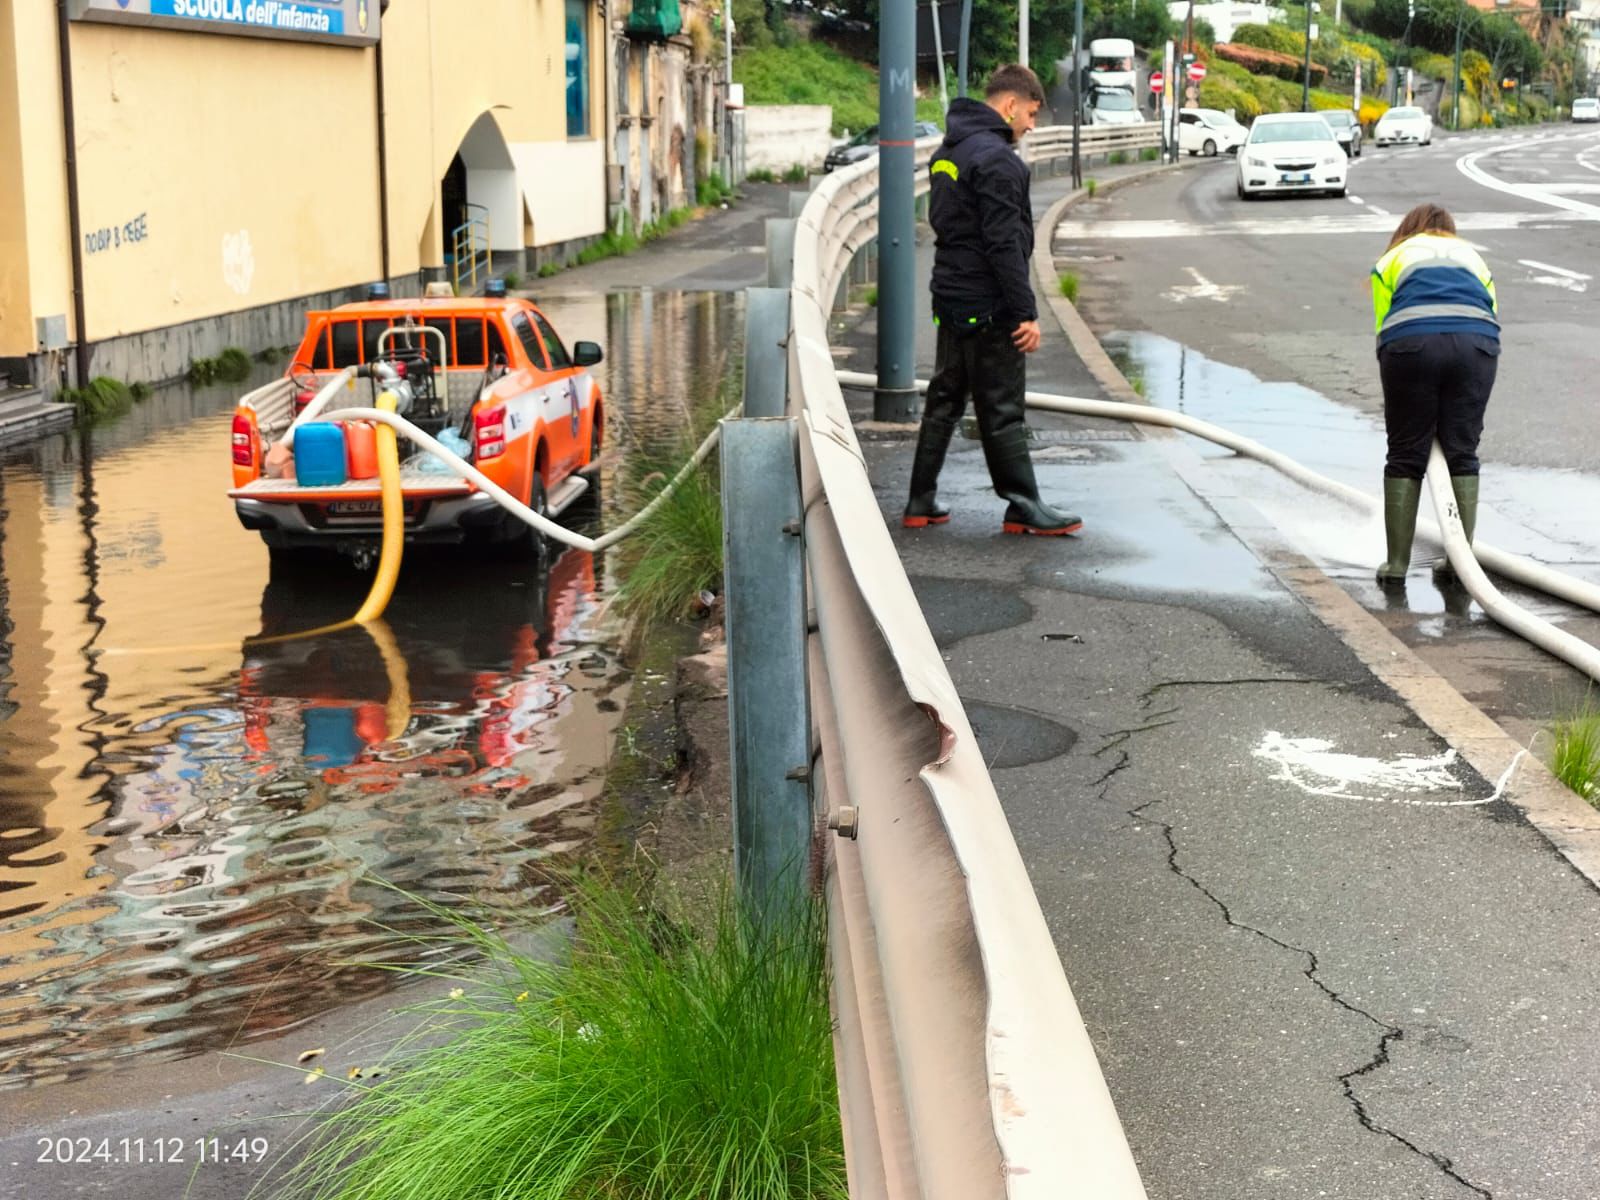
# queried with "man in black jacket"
point(983, 303)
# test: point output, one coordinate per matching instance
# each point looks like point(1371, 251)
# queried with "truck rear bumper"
point(291, 526)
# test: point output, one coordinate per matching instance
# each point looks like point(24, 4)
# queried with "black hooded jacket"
point(982, 221)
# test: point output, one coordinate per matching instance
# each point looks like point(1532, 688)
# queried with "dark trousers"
point(1436, 385)
point(983, 364)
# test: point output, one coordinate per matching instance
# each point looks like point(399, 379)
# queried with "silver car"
point(1345, 127)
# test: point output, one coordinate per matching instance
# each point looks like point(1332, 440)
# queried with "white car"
point(1112, 106)
point(1291, 152)
point(1586, 108)
point(1404, 126)
point(1209, 132)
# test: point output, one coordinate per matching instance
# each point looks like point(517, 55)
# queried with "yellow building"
point(232, 162)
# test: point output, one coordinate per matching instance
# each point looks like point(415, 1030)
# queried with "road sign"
point(1157, 81)
point(1197, 72)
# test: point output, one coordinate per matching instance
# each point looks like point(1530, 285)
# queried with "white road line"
point(1382, 212)
point(1539, 266)
point(1467, 164)
point(1367, 221)
point(1355, 199)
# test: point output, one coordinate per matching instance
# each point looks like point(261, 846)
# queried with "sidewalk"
point(1317, 955)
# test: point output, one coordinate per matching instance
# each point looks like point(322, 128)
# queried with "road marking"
point(1203, 289)
point(1355, 199)
point(1539, 266)
point(1571, 281)
point(1467, 164)
point(1371, 220)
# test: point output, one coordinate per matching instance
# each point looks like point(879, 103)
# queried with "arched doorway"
point(479, 208)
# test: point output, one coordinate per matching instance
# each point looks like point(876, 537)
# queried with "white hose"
point(514, 506)
point(1513, 566)
point(1515, 618)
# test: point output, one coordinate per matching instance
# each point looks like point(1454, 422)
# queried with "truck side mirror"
point(587, 354)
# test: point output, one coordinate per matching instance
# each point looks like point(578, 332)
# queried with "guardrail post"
point(766, 363)
point(780, 252)
point(769, 725)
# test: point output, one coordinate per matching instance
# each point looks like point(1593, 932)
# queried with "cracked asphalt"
point(1298, 986)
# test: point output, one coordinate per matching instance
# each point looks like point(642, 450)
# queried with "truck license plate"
point(355, 508)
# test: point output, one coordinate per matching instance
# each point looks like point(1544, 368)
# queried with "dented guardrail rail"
point(965, 1071)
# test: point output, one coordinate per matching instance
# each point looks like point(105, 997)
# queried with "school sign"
point(341, 22)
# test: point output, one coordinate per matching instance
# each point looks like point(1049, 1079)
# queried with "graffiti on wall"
point(115, 237)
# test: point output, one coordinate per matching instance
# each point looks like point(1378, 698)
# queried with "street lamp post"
point(1305, 83)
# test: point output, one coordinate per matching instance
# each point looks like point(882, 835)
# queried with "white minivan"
point(1209, 131)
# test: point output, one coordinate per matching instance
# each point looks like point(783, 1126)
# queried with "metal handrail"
point(466, 246)
point(964, 1067)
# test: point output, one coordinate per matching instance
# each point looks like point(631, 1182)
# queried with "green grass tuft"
point(1117, 157)
point(1150, 154)
point(677, 552)
point(231, 366)
point(761, 175)
point(664, 1062)
point(712, 191)
point(796, 174)
point(1576, 761)
point(1069, 286)
point(1089, 186)
point(872, 297)
point(104, 398)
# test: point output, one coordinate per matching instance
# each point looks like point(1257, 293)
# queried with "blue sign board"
point(342, 22)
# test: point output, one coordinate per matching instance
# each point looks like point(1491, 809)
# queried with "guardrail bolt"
point(845, 821)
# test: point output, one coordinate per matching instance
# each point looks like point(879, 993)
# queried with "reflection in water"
point(190, 837)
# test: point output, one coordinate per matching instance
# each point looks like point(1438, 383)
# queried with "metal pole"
point(1022, 32)
point(1455, 94)
point(727, 90)
point(69, 129)
point(766, 361)
point(896, 395)
point(1077, 95)
point(961, 53)
point(769, 726)
point(938, 54)
point(1305, 83)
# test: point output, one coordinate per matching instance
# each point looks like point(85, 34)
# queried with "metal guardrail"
point(964, 1068)
point(1055, 141)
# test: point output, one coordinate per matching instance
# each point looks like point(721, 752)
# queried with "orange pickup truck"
point(523, 409)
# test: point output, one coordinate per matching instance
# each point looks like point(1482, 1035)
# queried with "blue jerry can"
point(319, 454)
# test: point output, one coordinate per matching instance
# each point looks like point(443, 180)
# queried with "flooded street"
point(1542, 513)
point(200, 839)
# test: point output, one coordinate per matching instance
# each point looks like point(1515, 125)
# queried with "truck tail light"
point(244, 441)
point(489, 428)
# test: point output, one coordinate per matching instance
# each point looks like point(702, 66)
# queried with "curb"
point(1565, 820)
point(1084, 342)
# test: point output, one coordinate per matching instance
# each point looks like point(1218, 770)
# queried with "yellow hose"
point(394, 520)
point(394, 539)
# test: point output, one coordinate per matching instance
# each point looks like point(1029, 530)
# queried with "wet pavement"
point(200, 838)
point(1318, 954)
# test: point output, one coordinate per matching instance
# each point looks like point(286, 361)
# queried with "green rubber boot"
point(1400, 500)
point(1465, 488)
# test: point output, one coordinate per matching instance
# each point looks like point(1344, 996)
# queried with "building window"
point(577, 68)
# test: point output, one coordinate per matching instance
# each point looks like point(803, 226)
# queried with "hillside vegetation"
point(816, 73)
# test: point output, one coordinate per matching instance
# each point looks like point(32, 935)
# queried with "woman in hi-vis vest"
point(1438, 347)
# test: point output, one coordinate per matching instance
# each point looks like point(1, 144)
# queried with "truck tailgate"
point(416, 484)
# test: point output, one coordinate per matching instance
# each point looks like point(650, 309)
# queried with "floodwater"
point(199, 839)
point(1545, 514)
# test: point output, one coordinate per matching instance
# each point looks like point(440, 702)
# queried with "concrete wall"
point(777, 136)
